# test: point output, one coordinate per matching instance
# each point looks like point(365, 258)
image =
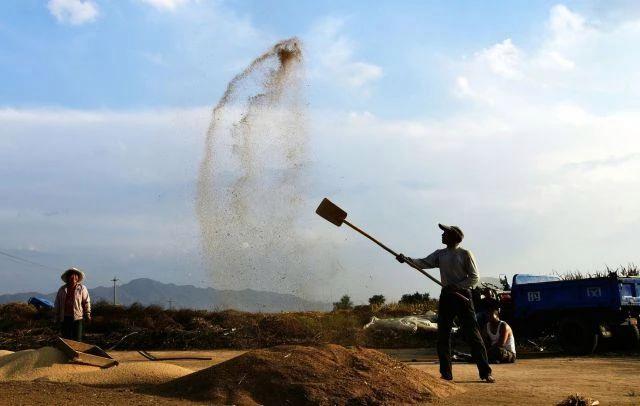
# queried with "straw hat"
point(66, 273)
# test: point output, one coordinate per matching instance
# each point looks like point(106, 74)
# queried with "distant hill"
point(148, 291)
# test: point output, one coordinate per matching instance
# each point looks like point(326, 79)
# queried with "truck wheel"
point(629, 337)
point(577, 337)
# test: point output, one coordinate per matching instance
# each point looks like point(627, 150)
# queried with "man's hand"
point(401, 258)
point(89, 318)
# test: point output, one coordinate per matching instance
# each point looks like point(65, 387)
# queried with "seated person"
point(499, 340)
point(485, 302)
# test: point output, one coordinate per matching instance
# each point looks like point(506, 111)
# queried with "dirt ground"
point(540, 381)
point(612, 381)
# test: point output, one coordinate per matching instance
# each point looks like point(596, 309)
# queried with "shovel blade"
point(331, 212)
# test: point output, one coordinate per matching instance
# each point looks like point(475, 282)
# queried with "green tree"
point(415, 298)
point(345, 303)
point(376, 300)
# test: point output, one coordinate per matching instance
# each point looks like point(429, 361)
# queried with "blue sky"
point(132, 55)
point(515, 120)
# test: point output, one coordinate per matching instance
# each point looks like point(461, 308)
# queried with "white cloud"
point(165, 5)
point(74, 12)
point(565, 24)
point(332, 55)
point(576, 59)
point(564, 167)
point(537, 187)
point(503, 59)
point(47, 116)
point(514, 179)
point(359, 74)
point(86, 174)
point(464, 90)
point(462, 87)
point(551, 60)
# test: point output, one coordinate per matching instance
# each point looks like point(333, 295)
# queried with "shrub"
point(283, 327)
point(153, 327)
point(376, 300)
point(345, 303)
point(628, 271)
point(16, 315)
point(403, 309)
point(415, 298)
point(341, 327)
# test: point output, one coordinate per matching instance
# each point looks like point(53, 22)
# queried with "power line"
point(27, 261)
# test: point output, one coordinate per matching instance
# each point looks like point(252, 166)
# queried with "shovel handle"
point(417, 268)
point(384, 247)
point(392, 252)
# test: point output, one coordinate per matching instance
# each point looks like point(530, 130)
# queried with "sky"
point(516, 121)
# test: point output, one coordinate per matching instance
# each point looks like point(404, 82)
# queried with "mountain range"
point(148, 291)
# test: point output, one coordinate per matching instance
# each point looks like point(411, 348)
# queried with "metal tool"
point(154, 358)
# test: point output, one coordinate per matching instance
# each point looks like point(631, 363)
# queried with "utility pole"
point(170, 303)
point(114, 280)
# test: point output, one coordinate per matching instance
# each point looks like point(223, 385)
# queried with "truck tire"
point(577, 336)
point(629, 337)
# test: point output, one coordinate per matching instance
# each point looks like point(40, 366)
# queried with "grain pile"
point(51, 364)
point(26, 365)
point(130, 373)
point(327, 374)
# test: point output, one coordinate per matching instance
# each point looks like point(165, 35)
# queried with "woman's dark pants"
point(450, 306)
point(72, 329)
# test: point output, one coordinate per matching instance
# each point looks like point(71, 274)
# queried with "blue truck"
point(581, 313)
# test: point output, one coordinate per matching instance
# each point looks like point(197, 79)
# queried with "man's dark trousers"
point(450, 306)
point(72, 329)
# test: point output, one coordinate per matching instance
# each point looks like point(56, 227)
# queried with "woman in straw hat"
point(72, 304)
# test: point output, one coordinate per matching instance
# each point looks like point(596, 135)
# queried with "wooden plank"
point(94, 360)
point(65, 348)
point(77, 345)
point(85, 354)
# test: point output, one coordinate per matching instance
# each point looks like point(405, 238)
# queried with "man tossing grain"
point(458, 274)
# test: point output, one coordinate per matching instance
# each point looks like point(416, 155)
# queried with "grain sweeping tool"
point(334, 214)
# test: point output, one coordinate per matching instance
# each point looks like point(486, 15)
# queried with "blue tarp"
point(41, 303)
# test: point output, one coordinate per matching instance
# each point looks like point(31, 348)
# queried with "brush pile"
point(578, 400)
